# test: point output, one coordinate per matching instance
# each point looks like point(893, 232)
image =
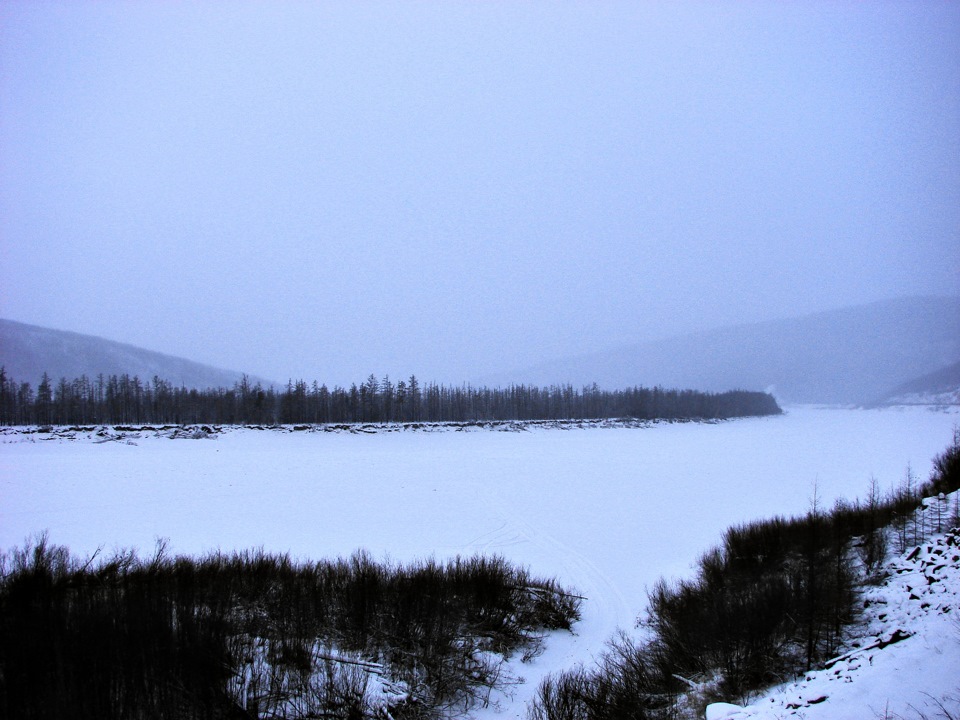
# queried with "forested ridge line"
point(124, 399)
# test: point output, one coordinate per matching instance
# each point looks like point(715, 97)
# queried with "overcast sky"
point(325, 190)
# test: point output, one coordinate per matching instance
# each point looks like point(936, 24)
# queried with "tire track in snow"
point(610, 607)
point(602, 613)
point(501, 537)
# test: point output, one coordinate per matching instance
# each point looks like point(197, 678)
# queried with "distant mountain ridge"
point(27, 351)
point(868, 354)
point(855, 355)
point(937, 388)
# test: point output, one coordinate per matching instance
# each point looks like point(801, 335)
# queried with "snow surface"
point(605, 510)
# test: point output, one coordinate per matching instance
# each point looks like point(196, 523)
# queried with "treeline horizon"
point(123, 399)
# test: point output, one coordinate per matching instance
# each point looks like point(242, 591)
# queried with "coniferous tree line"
point(122, 399)
point(767, 604)
point(255, 635)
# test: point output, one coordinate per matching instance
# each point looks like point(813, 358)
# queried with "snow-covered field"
point(607, 511)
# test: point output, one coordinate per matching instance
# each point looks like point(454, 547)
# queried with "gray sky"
point(325, 190)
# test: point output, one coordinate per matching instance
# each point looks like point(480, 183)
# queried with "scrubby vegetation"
point(123, 399)
point(771, 601)
point(255, 635)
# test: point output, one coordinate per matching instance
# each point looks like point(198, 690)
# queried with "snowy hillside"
point(852, 355)
point(938, 388)
point(27, 351)
point(903, 656)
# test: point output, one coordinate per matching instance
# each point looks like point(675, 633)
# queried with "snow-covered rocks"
point(902, 658)
point(722, 711)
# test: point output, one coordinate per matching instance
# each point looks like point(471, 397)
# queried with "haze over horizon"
point(458, 189)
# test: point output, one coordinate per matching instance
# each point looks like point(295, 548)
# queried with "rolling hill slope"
point(27, 351)
point(853, 355)
point(937, 388)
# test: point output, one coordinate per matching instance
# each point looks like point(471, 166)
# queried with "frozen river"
point(606, 511)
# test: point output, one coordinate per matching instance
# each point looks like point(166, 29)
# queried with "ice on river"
point(605, 510)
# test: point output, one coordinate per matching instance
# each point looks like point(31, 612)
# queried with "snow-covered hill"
point(902, 658)
point(28, 351)
point(852, 355)
point(937, 388)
